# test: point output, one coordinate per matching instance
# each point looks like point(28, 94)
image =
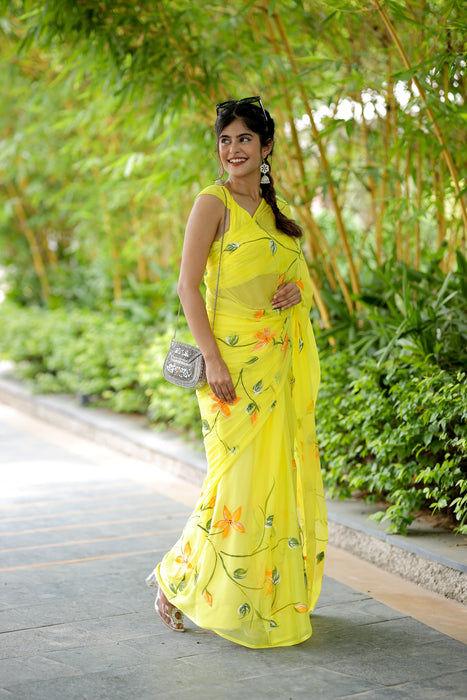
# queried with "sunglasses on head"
point(246, 101)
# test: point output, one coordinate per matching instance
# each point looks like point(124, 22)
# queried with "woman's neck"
point(246, 188)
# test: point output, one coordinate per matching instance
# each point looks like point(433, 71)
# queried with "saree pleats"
point(249, 562)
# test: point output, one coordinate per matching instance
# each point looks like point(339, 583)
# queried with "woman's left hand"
point(287, 295)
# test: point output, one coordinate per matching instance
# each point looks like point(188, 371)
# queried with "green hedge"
point(394, 430)
point(113, 361)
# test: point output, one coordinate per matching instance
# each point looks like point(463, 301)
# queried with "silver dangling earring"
point(264, 168)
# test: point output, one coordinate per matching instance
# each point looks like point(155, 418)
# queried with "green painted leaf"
point(244, 609)
point(252, 360)
point(239, 573)
point(250, 408)
point(300, 344)
point(182, 585)
point(273, 247)
point(319, 557)
point(205, 427)
point(173, 588)
point(231, 339)
point(208, 524)
point(273, 624)
point(231, 247)
point(276, 577)
point(269, 521)
point(293, 543)
point(258, 387)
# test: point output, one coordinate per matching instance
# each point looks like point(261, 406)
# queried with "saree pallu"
point(249, 563)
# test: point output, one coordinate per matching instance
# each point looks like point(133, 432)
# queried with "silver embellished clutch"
point(184, 366)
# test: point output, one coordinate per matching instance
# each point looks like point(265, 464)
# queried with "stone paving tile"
point(449, 686)
point(98, 657)
point(35, 668)
point(21, 643)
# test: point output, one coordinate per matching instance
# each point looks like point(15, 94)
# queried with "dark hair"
point(253, 117)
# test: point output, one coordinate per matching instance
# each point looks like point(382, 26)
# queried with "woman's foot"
point(169, 614)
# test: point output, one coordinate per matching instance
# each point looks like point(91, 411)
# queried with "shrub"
point(395, 431)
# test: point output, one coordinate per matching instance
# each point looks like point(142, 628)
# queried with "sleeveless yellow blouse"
point(249, 563)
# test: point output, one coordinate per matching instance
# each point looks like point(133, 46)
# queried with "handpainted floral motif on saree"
point(249, 562)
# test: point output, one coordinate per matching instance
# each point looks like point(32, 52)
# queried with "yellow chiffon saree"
point(249, 562)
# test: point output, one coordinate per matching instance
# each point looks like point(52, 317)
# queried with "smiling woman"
point(249, 562)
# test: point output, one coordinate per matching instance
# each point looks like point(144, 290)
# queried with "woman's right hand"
point(220, 381)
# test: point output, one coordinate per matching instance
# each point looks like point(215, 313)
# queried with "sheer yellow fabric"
point(249, 563)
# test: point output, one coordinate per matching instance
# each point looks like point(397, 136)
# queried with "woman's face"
point(240, 149)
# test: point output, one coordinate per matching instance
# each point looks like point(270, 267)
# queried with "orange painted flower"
point(301, 607)
point(254, 416)
point(230, 521)
point(311, 406)
point(184, 560)
point(268, 581)
point(259, 313)
point(207, 597)
point(222, 406)
point(281, 279)
point(285, 344)
point(300, 284)
point(264, 337)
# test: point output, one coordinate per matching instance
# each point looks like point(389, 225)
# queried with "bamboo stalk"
point(34, 246)
point(419, 182)
point(436, 128)
point(355, 284)
point(404, 254)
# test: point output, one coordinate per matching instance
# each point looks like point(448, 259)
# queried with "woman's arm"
point(203, 227)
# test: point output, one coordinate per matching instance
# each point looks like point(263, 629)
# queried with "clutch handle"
point(218, 273)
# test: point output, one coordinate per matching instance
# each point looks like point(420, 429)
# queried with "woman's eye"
point(245, 138)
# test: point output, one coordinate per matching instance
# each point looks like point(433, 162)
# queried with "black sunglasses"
point(246, 101)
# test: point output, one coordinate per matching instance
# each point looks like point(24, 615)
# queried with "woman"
point(250, 559)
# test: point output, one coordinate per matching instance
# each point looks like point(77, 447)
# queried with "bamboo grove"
point(107, 133)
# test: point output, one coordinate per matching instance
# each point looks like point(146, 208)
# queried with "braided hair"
point(253, 117)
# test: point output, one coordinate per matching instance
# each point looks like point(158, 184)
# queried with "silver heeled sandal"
point(167, 610)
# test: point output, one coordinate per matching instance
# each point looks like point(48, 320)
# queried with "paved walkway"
point(81, 527)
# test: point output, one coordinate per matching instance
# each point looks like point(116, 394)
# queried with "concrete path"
point(82, 525)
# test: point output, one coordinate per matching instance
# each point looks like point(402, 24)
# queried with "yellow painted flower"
point(184, 560)
point(230, 521)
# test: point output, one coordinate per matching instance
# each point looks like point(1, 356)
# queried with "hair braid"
point(283, 223)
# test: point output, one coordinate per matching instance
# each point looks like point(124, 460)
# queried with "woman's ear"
point(266, 150)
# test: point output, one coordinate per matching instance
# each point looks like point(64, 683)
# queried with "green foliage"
point(106, 357)
point(406, 313)
point(396, 431)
